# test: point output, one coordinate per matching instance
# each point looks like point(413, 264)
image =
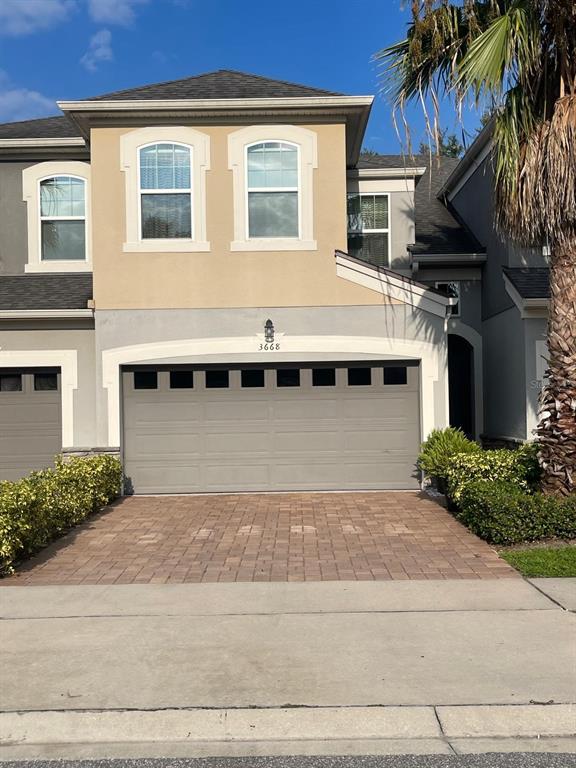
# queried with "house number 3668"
point(269, 347)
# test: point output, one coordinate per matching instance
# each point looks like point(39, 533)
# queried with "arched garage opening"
point(461, 384)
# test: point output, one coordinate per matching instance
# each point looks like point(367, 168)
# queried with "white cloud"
point(99, 50)
point(22, 103)
point(114, 11)
point(24, 17)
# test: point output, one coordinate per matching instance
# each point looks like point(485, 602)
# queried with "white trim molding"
point(30, 314)
point(31, 178)
point(306, 141)
point(119, 105)
point(72, 141)
point(67, 361)
point(199, 143)
point(431, 356)
point(395, 287)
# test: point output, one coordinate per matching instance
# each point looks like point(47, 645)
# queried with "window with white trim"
point(273, 189)
point(369, 227)
point(63, 218)
point(57, 196)
point(165, 191)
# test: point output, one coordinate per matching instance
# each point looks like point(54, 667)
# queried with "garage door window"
point(395, 375)
point(359, 377)
point(252, 377)
point(181, 379)
point(323, 377)
point(45, 382)
point(10, 382)
point(145, 380)
point(288, 377)
point(217, 379)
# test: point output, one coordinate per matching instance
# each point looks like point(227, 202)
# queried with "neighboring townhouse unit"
point(208, 278)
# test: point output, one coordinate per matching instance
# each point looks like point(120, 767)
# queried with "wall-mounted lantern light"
point(269, 331)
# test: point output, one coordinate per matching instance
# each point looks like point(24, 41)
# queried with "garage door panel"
point(229, 442)
point(30, 429)
point(272, 438)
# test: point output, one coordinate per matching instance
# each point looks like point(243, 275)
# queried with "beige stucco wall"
point(220, 277)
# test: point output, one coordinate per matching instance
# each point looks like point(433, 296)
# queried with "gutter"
point(70, 141)
point(383, 173)
point(122, 105)
point(29, 314)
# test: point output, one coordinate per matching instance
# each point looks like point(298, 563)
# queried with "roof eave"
point(529, 308)
point(385, 173)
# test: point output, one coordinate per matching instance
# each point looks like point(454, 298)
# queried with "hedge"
point(42, 506)
point(519, 467)
point(438, 451)
point(503, 513)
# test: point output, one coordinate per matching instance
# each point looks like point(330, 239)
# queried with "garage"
point(293, 427)
point(31, 419)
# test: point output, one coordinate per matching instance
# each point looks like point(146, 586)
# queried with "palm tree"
point(519, 58)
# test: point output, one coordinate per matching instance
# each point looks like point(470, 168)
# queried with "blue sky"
point(68, 49)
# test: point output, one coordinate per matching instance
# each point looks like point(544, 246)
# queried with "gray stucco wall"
point(118, 328)
point(13, 224)
point(534, 331)
point(81, 340)
point(505, 376)
point(474, 203)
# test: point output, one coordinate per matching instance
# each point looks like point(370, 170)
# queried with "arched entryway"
point(461, 384)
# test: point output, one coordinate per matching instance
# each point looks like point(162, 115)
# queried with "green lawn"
point(542, 561)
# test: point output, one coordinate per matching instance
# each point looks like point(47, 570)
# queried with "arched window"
point(165, 191)
point(63, 219)
point(273, 190)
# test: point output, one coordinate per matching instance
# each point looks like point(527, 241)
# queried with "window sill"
point(59, 266)
point(274, 244)
point(166, 246)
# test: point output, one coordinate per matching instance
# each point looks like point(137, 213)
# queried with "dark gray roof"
point(222, 84)
point(56, 291)
point(367, 161)
point(437, 228)
point(530, 282)
point(42, 128)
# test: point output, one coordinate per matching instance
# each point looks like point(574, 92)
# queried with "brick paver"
point(266, 537)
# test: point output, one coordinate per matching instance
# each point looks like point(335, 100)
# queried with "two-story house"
point(206, 277)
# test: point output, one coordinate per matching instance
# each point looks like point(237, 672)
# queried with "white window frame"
point(31, 180)
point(387, 231)
point(42, 218)
point(305, 141)
point(296, 189)
point(189, 191)
point(199, 145)
point(452, 312)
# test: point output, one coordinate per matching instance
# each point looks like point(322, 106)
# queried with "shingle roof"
point(530, 282)
point(222, 84)
point(55, 291)
point(367, 161)
point(42, 128)
point(437, 229)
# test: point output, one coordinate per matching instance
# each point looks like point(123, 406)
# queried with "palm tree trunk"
point(557, 428)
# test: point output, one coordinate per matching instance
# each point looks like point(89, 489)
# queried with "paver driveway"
point(266, 537)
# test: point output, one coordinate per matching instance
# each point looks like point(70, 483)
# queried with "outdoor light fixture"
point(268, 331)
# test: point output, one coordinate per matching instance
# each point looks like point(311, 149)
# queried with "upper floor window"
point(369, 227)
point(57, 194)
point(165, 191)
point(272, 168)
point(63, 219)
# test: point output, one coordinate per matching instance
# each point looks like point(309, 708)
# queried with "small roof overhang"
point(529, 308)
point(352, 110)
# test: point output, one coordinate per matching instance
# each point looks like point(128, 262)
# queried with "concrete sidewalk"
point(422, 667)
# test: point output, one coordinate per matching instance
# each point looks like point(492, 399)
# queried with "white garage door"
point(291, 428)
point(30, 421)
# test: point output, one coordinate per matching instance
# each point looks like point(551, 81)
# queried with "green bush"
point(439, 450)
point(40, 507)
point(519, 467)
point(502, 513)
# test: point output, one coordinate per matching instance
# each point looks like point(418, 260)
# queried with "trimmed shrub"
point(439, 450)
point(42, 506)
point(502, 513)
point(519, 467)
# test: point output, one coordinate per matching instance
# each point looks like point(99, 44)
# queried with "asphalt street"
point(531, 760)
